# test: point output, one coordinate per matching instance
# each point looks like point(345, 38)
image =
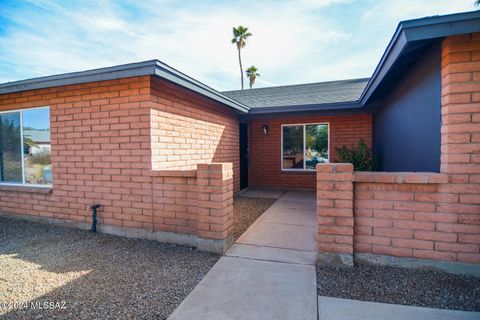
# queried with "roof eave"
point(145, 68)
point(165, 72)
point(306, 107)
point(101, 74)
point(418, 30)
point(327, 110)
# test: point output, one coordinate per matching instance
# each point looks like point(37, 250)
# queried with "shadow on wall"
point(95, 275)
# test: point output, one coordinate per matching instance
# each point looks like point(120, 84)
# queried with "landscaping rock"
point(246, 211)
point(93, 276)
point(414, 287)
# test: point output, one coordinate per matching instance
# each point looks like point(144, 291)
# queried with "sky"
point(293, 41)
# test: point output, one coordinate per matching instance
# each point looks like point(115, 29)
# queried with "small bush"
point(360, 156)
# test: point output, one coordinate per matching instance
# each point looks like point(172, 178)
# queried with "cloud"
point(292, 42)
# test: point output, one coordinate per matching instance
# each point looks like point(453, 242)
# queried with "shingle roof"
point(302, 94)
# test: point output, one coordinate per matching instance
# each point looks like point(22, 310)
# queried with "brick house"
point(163, 153)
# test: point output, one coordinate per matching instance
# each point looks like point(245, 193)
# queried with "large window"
point(304, 145)
point(25, 147)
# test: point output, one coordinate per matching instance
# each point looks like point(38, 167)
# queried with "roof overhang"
point(145, 68)
point(421, 31)
point(305, 108)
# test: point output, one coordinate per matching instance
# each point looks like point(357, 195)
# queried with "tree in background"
point(252, 75)
point(240, 36)
point(10, 148)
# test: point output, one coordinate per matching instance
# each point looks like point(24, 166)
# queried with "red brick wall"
point(174, 201)
point(461, 143)
point(335, 208)
point(102, 153)
point(427, 216)
point(406, 215)
point(265, 150)
point(188, 129)
point(100, 140)
point(414, 215)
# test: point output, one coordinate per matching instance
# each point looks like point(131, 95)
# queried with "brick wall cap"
point(29, 189)
point(334, 167)
point(171, 173)
point(215, 166)
point(325, 167)
point(400, 177)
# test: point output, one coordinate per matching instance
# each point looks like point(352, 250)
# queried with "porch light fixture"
point(265, 129)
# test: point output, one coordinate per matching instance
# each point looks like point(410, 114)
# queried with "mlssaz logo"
point(37, 305)
point(48, 305)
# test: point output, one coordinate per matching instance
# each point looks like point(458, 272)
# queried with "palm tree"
point(252, 75)
point(240, 36)
point(477, 3)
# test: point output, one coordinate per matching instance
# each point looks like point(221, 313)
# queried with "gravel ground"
point(415, 287)
point(246, 211)
point(94, 276)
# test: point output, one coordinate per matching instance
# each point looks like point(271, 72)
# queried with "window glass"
point(316, 149)
point(10, 148)
point(36, 146)
point(293, 147)
point(33, 128)
point(304, 146)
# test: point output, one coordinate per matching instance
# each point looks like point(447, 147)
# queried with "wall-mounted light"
point(265, 129)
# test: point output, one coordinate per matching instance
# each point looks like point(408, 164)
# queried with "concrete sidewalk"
point(269, 273)
point(346, 309)
point(283, 233)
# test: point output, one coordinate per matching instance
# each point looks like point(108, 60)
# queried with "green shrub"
point(360, 156)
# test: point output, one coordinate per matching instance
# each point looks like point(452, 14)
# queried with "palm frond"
point(252, 75)
point(240, 34)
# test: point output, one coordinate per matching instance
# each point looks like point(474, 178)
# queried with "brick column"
point(335, 214)
point(461, 105)
point(461, 144)
point(215, 206)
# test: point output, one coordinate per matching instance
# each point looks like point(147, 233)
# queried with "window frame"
point(304, 125)
point(23, 184)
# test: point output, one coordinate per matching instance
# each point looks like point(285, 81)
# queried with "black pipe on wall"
point(94, 208)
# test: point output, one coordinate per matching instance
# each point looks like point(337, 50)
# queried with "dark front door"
point(243, 155)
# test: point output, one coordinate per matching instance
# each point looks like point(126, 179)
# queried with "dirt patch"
point(246, 211)
point(92, 276)
point(414, 287)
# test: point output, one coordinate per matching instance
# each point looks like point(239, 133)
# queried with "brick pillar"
point(335, 214)
point(461, 105)
point(215, 206)
point(461, 141)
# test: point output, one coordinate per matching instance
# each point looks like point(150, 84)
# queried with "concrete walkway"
point(269, 273)
point(345, 309)
point(283, 233)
